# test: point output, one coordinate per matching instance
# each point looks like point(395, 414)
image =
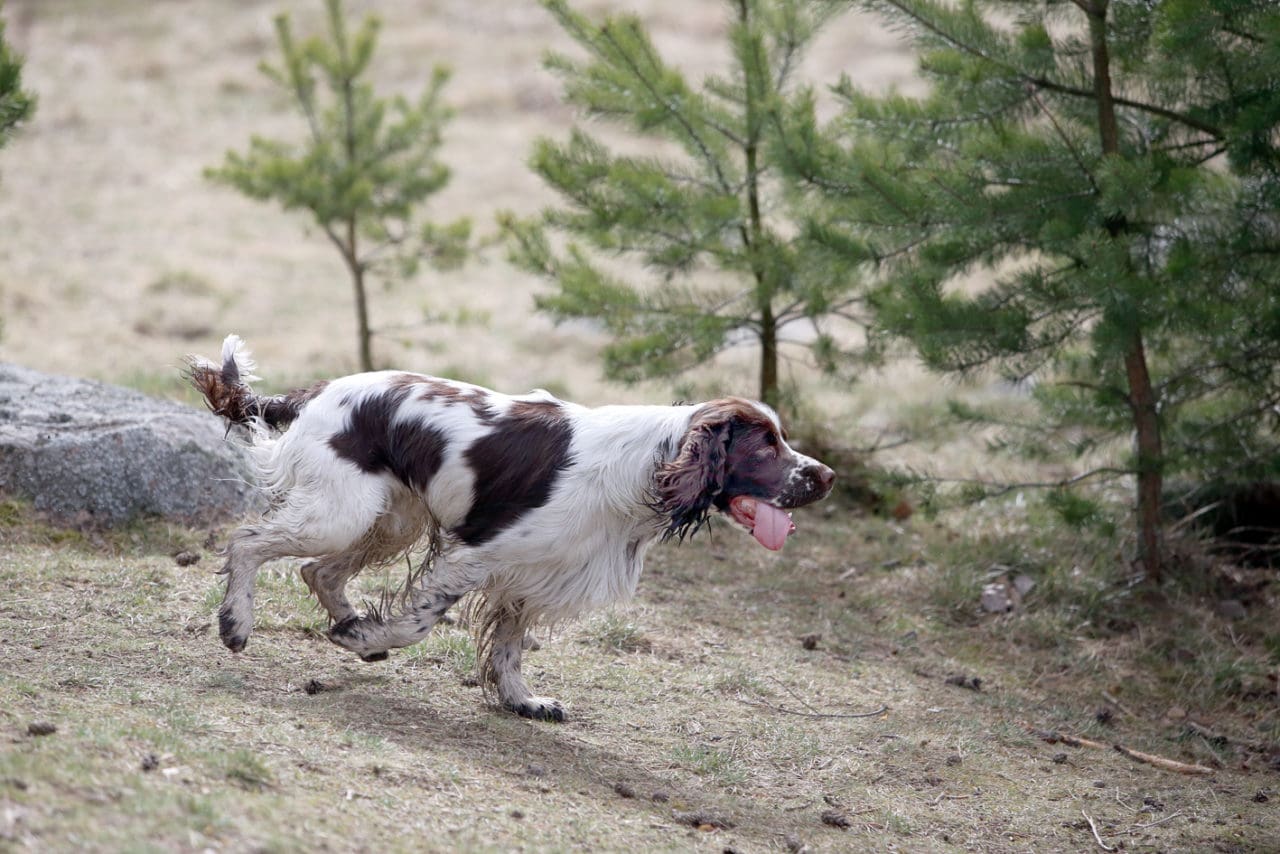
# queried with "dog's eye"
point(771, 440)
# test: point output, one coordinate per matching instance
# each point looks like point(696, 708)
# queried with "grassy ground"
point(713, 714)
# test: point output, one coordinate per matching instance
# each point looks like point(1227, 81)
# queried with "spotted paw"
point(539, 709)
point(229, 630)
point(352, 634)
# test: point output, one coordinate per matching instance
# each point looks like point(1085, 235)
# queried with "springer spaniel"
point(543, 507)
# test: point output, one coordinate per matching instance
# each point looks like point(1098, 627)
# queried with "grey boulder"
point(84, 452)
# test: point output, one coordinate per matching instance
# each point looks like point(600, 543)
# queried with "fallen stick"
point(1161, 762)
point(1094, 828)
point(1054, 737)
point(762, 704)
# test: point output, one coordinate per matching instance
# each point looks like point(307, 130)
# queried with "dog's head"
point(735, 459)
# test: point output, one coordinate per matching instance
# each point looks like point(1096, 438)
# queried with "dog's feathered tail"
point(227, 393)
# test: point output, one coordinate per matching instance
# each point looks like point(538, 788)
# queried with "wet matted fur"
point(541, 507)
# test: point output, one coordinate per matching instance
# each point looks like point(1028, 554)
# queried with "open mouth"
point(768, 524)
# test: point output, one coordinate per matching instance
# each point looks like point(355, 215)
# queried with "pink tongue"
point(772, 526)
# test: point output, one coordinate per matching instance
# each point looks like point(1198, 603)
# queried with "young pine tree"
point(705, 213)
point(1117, 163)
point(365, 165)
point(16, 104)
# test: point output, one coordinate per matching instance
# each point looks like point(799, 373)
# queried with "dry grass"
point(701, 705)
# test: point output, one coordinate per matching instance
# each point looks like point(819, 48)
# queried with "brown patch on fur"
point(516, 466)
point(228, 397)
point(283, 409)
point(450, 393)
point(376, 441)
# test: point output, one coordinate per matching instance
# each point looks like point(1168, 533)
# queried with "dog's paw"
point(539, 709)
point(350, 634)
point(233, 637)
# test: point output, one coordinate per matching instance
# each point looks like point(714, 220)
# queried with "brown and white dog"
point(543, 507)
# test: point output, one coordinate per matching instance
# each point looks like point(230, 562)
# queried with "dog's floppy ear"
point(687, 485)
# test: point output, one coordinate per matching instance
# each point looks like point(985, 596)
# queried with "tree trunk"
point(1142, 396)
point(768, 357)
point(1146, 421)
point(754, 243)
point(352, 251)
point(364, 337)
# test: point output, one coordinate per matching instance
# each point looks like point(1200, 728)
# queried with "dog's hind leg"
point(394, 533)
point(503, 637)
point(328, 576)
point(369, 637)
point(248, 549)
point(301, 526)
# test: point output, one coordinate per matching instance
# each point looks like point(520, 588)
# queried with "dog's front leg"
point(371, 637)
point(502, 670)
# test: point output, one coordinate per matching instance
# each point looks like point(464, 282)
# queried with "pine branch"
point(1075, 154)
point(1108, 472)
point(672, 110)
point(1043, 82)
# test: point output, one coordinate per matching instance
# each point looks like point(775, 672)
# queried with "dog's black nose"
point(826, 477)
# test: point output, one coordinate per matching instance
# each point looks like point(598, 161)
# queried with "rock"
point(1001, 595)
point(88, 453)
point(972, 683)
point(995, 598)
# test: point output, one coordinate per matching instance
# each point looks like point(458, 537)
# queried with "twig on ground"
point(1111, 698)
point(1169, 817)
point(792, 692)
point(1054, 737)
point(1161, 762)
point(872, 714)
point(1094, 828)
